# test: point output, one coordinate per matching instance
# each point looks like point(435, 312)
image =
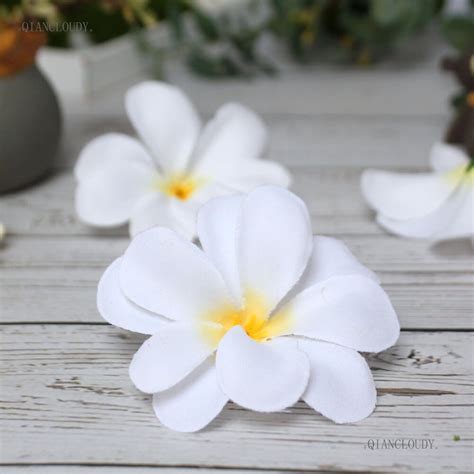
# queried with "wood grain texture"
point(65, 387)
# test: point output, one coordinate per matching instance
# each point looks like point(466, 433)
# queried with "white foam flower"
point(263, 315)
point(436, 205)
point(179, 166)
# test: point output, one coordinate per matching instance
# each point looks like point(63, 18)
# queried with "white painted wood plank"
point(89, 469)
point(67, 387)
point(300, 139)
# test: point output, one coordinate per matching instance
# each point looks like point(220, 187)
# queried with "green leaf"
point(459, 32)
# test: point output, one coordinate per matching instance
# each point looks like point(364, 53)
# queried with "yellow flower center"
point(178, 186)
point(252, 317)
point(463, 173)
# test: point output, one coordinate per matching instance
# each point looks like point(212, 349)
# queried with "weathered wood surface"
point(67, 402)
point(67, 386)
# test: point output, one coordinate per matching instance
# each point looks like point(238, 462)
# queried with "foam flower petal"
point(168, 356)
point(446, 157)
point(351, 310)
point(157, 210)
point(166, 274)
point(165, 120)
point(105, 151)
point(217, 230)
point(274, 248)
point(454, 218)
point(109, 197)
point(118, 310)
point(264, 377)
point(194, 402)
point(341, 386)
point(406, 196)
point(330, 257)
point(235, 133)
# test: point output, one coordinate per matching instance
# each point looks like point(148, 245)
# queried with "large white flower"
point(180, 167)
point(263, 315)
point(436, 205)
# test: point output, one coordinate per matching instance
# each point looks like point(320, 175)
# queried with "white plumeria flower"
point(263, 315)
point(436, 205)
point(180, 167)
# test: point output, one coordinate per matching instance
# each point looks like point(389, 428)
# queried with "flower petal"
point(104, 152)
point(234, 133)
point(340, 386)
point(165, 120)
point(446, 157)
point(109, 197)
point(330, 257)
point(156, 210)
point(453, 219)
point(352, 311)
point(168, 356)
point(168, 275)
point(186, 211)
point(118, 310)
point(405, 196)
point(217, 231)
point(274, 242)
point(264, 377)
point(194, 402)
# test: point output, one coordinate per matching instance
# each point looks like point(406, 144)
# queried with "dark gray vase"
point(30, 127)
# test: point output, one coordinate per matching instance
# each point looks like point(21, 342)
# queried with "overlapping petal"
point(274, 242)
point(407, 196)
point(351, 310)
point(168, 356)
point(445, 157)
point(166, 274)
point(118, 310)
point(341, 385)
point(264, 377)
point(166, 121)
point(194, 402)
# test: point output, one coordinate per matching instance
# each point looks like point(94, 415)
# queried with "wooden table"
point(67, 402)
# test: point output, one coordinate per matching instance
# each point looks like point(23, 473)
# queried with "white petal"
point(194, 402)
point(109, 197)
point(453, 219)
point(217, 232)
point(405, 196)
point(168, 275)
point(186, 211)
point(168, 356)
point(264, 377)
point(274, 242)
point(352, 311)
point(341, 386)
point(330, 257)
point(446, 157)
point(118, 310)
point(104, 152)
point(165, 120)
point(156, 210)
point(235, 132)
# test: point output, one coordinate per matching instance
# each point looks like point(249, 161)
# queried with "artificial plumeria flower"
point(180, 166)
point(263, 315)
point(436, 205)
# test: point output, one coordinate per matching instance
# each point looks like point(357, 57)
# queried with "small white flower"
point(436, 205)
point(264, 315)
point(179, 168)
point(217, 7)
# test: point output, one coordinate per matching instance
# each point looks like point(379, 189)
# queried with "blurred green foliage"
point(224, 42)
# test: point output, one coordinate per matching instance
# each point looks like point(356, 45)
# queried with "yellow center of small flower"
point(462, 173)
point(253, 318)
point(178, 186)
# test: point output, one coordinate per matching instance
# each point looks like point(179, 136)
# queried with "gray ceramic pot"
point(30, 127)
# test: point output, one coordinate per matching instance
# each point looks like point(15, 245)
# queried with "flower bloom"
point(263, 315)
point(180, 166)
point(436, 205)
